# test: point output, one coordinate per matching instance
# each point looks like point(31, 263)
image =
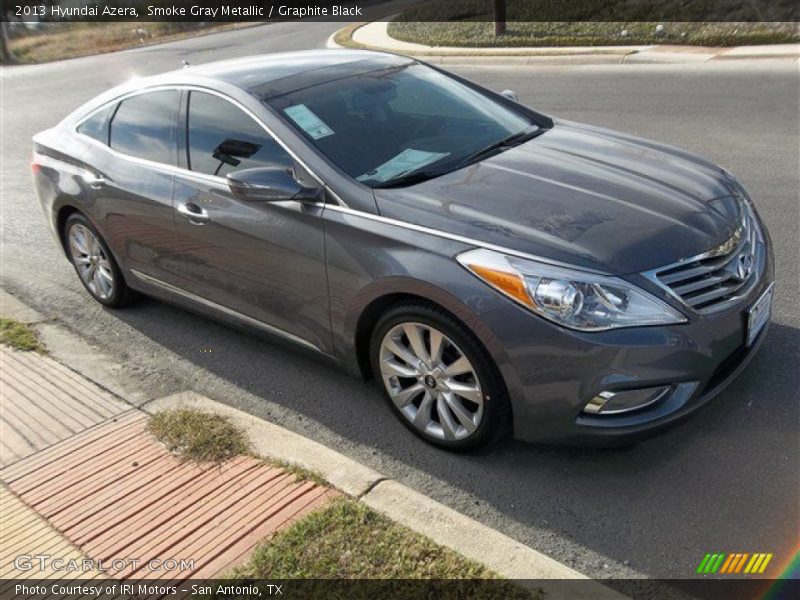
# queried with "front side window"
point(144, 126)
point(380, 127)
point(222, 138)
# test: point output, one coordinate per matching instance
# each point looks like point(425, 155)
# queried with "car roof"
point(270, 75)
point(264, 76)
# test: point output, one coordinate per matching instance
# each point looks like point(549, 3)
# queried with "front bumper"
point(551, 373)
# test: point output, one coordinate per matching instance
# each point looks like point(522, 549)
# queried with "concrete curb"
point(416, 511)
point(480, 543)
point(11, 308)
point(374, 36)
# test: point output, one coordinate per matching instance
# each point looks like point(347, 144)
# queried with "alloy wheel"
point(431, 381)
point(91, 261)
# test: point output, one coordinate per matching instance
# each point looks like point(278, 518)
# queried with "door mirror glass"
point(270, 184)
point(510, 94)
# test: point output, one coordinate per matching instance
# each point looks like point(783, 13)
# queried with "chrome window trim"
point(175, 169)
point(223, 309)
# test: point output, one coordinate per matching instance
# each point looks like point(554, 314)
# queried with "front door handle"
point(195, 214)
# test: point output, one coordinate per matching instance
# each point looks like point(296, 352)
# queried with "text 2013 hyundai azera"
point(491, 267)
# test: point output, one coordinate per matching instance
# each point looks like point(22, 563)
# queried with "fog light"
point(614, 403)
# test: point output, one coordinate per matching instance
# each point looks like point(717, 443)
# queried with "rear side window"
point(96, 126)
point(144, 126)
point(221, 138)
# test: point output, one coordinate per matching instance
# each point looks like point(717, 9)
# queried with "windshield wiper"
point(512, 140)
point(411, 178)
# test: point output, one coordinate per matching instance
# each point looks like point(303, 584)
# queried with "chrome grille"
point(718, 278)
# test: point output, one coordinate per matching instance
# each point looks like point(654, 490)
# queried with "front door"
point(264, 261)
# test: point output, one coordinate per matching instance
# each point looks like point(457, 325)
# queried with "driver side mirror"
point(510, 94)
point(270, 184)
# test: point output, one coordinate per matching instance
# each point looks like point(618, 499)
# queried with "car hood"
point(581, 195)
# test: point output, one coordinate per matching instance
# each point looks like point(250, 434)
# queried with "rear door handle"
point(195, 214)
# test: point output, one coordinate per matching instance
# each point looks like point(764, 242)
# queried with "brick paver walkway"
point(24, 532)
point(95, 484)
point(43, 402)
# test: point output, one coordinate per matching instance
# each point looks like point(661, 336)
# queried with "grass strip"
point(481, 34)
point(469, 23)
point(201, 436)
point(20, 336)
point(348, 540)
point(198, 436)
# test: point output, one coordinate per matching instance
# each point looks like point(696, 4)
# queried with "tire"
point(87, 249)
point(426, 395)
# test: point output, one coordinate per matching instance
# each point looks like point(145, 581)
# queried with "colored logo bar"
point(741, 562)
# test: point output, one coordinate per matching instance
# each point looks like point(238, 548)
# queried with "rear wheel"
point(438, 378)
point(94, 263)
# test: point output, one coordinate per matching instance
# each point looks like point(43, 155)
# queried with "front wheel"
point(438, 378)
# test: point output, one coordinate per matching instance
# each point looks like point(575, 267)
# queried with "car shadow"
point(677, 493)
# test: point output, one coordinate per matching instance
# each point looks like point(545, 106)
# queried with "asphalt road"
point(727, 480)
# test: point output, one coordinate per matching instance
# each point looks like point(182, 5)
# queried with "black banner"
point(32, 11)
point(484, 589)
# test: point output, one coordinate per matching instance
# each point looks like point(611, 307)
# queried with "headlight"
point(572, 298)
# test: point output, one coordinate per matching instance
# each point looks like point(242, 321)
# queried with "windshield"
point(394, 125)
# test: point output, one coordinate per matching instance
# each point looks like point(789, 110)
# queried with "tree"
point(5, 51)
point(499, 17)
point(6, 56)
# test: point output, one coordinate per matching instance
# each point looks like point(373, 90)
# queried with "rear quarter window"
point(144, 126)
point(96, 126)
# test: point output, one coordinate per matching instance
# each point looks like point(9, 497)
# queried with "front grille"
point(716, 279)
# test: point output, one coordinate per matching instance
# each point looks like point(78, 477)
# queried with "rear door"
point(264, 261)
point(134, 187)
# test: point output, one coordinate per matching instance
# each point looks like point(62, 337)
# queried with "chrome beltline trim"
point(227, 311)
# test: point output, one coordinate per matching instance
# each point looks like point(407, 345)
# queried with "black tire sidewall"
point(495, 420)
point(121, 293)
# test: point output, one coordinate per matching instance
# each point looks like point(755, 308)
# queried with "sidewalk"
point(82, 478)
point(374, 36)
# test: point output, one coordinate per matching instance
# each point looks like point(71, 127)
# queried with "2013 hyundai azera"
point(492, 268)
